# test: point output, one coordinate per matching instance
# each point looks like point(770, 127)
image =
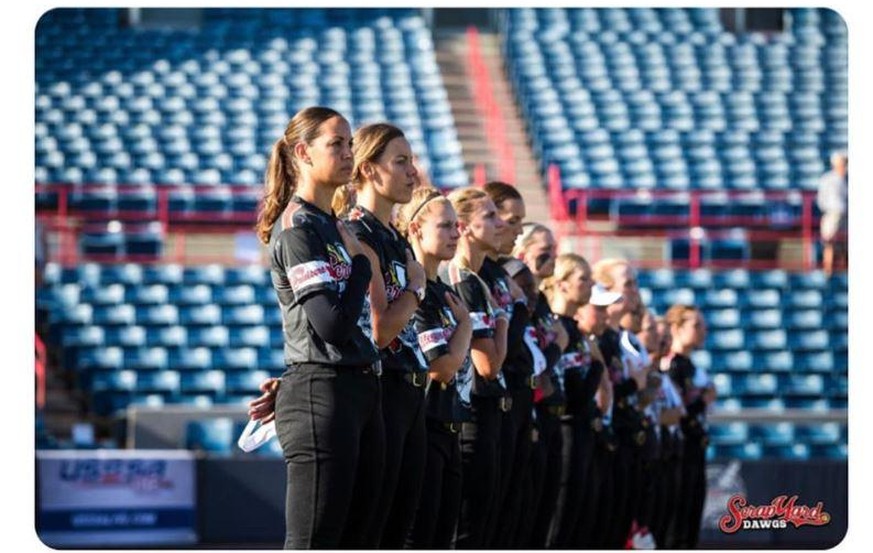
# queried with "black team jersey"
point(307, 256)
point(471, 288)
point(435, 325)
point(580, 373)
point(402, 353)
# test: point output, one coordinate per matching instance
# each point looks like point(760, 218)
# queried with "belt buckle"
point(533, 382)
point(417, 379)
point(453, 427)
point(505, 403)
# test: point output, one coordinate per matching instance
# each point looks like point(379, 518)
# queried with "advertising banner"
point(116, 497)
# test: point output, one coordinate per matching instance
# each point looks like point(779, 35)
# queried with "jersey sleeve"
point(433, 338)
point(471, 292)
point(301, 254)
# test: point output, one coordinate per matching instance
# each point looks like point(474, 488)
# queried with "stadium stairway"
point(452, 57)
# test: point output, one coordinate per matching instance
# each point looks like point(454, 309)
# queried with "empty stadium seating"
point(171, 108)
point(667, 99)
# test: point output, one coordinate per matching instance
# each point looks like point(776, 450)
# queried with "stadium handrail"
point(695, 225)
point(493, 120)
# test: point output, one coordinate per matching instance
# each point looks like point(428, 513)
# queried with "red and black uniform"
point(448, 406)
point(515, 426)
point(480, 439)
point(328, 407)
point(581, 376)
point(694, 429)
point(404, 375)
point(547, 456)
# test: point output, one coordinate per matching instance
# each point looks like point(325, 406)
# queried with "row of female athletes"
point(450, 381)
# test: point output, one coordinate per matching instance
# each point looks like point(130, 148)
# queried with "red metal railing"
point(68, 222)
point(492, 116)
point(693, 222)
point(40, 371)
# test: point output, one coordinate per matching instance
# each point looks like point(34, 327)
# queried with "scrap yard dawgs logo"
point(781, 512)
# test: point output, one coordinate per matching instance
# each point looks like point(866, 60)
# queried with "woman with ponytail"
point(384, 176)
point(579, 369)
point(688, 332)
point(444, 329)
point(328, 408)
point(480, 229)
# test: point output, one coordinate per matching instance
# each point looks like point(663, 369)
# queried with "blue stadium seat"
point(829, 451)
point(733, 361)
point(741, 452)
point(771, 404)
point(106, 315)
point(761, 299)
point(809, 340)
point(764, 319)
point(190, 358)
point(818, 434)
point(164, 382)
point(191, 294)
point(127, 274)
point(245, 382)
point(166, 336)
point(242, 294)
point(822, 362)
point(213, 435)
point(804, 385)
point(792, 452)
point(215, 336)
point(162, 274)
point(209, 382)
point(154, 294)
point(722, 318)
point(200, 315)
point(157, 315)
point(724, 297)
point(147, 359)
point(757, 384)
point(725, 340)
point(768, 340)
point(235, 359)
point(127, 336)
point(729, 433)
point(772, 434)
point(809, 319)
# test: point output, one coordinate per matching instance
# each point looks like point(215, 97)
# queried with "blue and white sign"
point(116, 497)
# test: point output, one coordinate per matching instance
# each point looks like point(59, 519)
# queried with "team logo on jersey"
point(501, 294)
point(395, 280)
point(340, 262)
point(311, 273)
point(781, 512)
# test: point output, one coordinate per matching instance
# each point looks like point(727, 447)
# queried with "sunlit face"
point(691, 333)
point(540, 254)
point(512, 213)
point(485, 228)
point(648, 333)
point(394, 174)
point(591, 319)
point(577, 287)
point(436, 230)
point(625, 283)
point(328, 159)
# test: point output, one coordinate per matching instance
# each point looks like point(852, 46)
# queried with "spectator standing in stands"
point(480, 229)
point(444, 330)
point(384, 176)
point(832, 200)
point(328, 407)
point(688, 332)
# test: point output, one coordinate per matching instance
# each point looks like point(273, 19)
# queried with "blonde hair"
point(423, 200)
point(463, 201)
point(603, 270)
point(527, 236)
point(368, 145)
point(282, 170)
point(677, 314)
point(565, 265)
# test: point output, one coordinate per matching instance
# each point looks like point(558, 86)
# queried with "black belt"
point(452, 427)
point(556, 410)
point(417, 379)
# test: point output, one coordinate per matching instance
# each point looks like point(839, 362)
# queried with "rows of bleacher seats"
point(646, 98)
point(206, 335)
point(116, 105)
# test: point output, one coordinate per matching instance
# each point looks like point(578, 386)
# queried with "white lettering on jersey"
point(433, 338)
point(311, 273)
